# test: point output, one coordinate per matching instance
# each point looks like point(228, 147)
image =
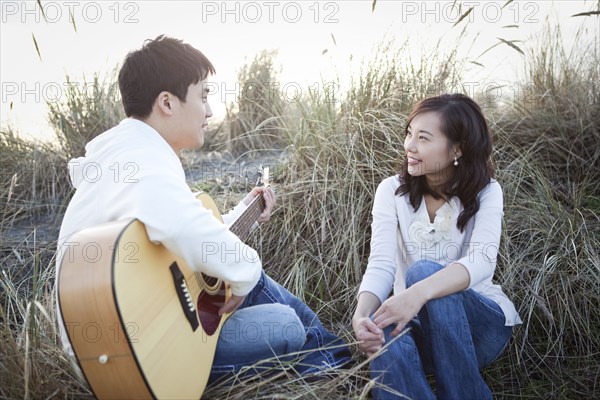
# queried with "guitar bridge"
point(185, 298)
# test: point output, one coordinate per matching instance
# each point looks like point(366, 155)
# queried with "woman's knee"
point(421, 270)
point(401, 351)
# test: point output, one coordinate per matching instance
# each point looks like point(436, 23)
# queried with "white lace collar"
point(430, 233)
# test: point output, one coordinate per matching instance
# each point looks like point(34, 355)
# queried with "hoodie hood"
point(76, 171)
point(102, 152)
point(88, 166)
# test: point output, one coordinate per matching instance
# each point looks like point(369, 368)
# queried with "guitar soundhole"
point(208, 309)
point(209, 280)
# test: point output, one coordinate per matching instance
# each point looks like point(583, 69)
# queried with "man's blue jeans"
point(272, 322)
point(452, 337)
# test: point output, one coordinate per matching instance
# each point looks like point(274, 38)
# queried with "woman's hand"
point(269, 196)
point(400, 309)
point(370, 337)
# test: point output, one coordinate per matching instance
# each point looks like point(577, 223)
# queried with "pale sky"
point(230, 33)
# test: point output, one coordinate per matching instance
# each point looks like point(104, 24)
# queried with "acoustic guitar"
point(141, 322)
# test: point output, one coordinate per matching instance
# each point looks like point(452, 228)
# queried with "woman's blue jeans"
point(272, 322)
point(452, 337)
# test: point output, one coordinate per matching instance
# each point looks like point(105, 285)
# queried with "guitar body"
point(141, 322)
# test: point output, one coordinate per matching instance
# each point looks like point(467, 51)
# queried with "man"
point(133, 171)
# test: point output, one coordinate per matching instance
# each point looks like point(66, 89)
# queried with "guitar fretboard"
point(241, 226)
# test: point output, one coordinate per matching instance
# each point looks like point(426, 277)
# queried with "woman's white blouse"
point(401, 237)
point(434, 236)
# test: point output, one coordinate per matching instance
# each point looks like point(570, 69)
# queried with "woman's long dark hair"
point(462, 123)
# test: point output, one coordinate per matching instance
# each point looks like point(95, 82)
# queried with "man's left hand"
point(269, 196)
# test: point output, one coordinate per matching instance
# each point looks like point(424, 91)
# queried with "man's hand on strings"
point(269, 196)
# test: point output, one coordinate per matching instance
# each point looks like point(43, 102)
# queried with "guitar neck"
point(241, 226)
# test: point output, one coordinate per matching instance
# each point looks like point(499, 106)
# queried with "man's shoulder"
point(131, 139)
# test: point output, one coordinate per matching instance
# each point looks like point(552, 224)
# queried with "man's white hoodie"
point(130, 171)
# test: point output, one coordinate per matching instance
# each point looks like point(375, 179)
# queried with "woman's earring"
point(455, 162)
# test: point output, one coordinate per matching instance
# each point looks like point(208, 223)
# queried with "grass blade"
point(72, 19)
point(37, 48)
point(39, 3)
point(586, 14)
point(465, 15)
point(511, 44)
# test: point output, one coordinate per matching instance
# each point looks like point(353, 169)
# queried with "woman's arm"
point(381, 268)
point(367, 304)
point(452, 279)
point(482, 252)
point(379, 278)
point(369, 335)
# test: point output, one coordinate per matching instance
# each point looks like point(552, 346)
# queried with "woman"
point(435, 235)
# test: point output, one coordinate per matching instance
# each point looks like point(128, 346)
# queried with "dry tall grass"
point(254, 120)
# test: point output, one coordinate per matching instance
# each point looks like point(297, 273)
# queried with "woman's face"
point(428, 150)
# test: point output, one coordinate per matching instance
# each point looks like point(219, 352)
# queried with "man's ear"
point(164, 103)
